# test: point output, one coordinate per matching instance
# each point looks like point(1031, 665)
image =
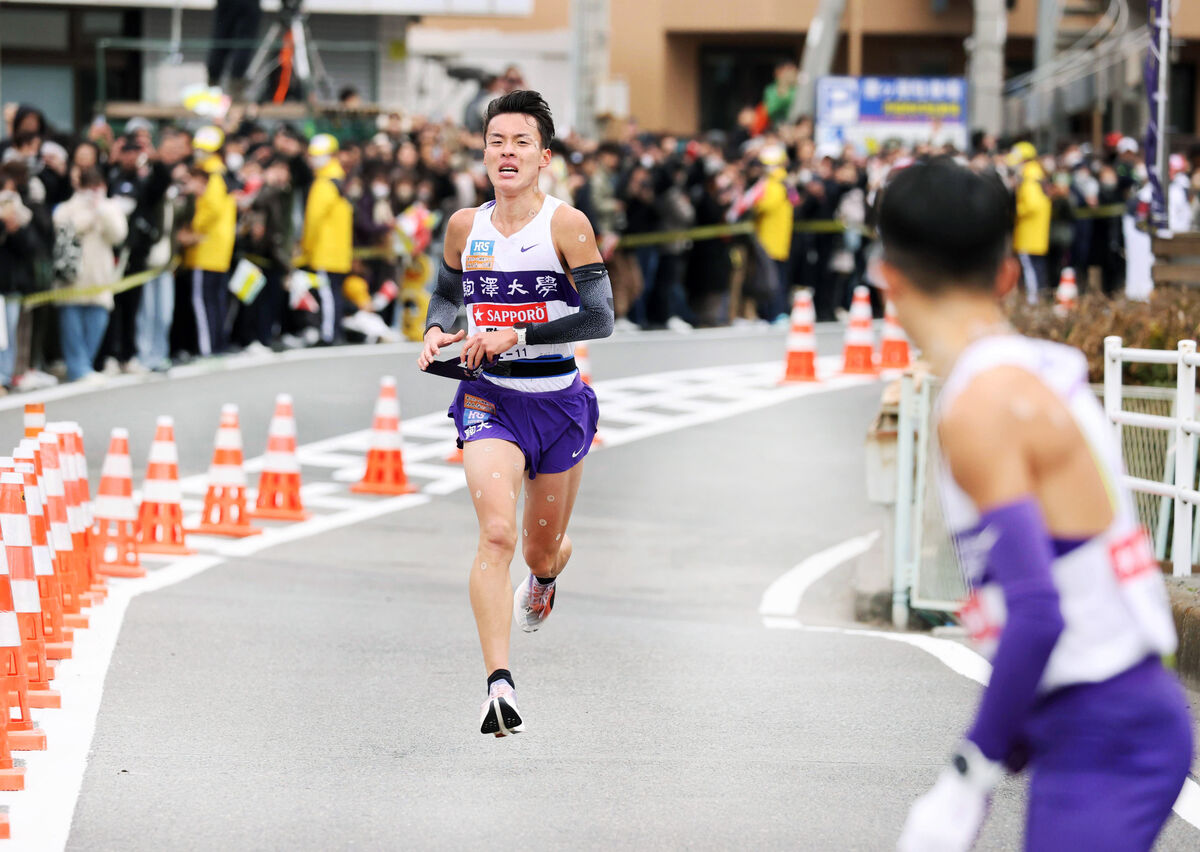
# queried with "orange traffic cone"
point(12, 777)
point(114, 533)
point(35, 419)
point(58, 635)
point(23, 578)
point(801, 363)
point(1067, 295)
point(583, 362)
point(385, 460)
point(160, 517)
point(22, 734)
point(893, 350)
point(99, 585)
point(225, 503)
point(456, 456)
point(858, 354)
point(75, 486)
point(279, 485)
point(60, 530)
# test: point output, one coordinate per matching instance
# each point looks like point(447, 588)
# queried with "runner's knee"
point(498, 534)
point(540, 555)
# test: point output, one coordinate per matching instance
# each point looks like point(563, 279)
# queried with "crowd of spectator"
point(80, 213)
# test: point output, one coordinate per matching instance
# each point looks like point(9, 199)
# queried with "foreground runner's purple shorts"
point(554, 429)
point(1108, 762)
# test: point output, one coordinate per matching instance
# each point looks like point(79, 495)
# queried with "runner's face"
point(513, 153)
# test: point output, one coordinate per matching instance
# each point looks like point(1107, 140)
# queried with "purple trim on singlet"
point(1063, 546)
point(1020, 561)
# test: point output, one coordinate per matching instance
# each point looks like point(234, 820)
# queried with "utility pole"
point(1045, 47)
point(985, 66)
point(820, 45)
point(1158, 65)
point(590, 26)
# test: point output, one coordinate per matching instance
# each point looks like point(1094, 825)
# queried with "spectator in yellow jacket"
point(772, 205)
point(1031, 232)
point(204, 300)
point(327, 243)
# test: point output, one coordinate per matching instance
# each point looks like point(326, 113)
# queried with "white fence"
point(1157, 429)
point(1182, 428)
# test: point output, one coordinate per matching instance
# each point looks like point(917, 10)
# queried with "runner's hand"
point(435, 339)
point(487, 346)
point(947, 818)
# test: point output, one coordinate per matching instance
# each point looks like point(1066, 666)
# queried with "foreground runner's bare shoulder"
point(574, 239)
point(457, 228)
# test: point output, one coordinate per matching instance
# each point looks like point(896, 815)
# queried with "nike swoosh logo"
point(575, 454)
point(527, 248)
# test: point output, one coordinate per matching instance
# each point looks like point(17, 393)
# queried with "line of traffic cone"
point(16, 597)
point(385, 459)
point(59, 637)
point(79, 513)
point(893, 348)
point(35, 419)
point(58, 518)
point(225, 501)
point(800, 364)
point(858, 351)
point(160, 517)
point(279, 484)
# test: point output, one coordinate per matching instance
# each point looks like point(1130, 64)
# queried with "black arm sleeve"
point(446, 299)
point(595, 317)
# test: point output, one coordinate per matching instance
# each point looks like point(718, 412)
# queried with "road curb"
point(1185, 605)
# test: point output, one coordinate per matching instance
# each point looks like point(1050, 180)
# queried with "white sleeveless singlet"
point(1111, 593)
point(518, 279)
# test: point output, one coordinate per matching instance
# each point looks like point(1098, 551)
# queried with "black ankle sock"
point(500, 674)
point(545, 581)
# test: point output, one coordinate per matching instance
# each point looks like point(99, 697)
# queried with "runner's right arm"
point(447, 297)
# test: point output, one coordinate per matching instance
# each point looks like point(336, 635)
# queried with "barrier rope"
point(629, 241)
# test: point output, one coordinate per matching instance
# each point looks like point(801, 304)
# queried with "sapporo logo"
point(500, 315)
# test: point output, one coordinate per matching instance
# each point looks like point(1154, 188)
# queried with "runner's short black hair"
point(944, 226)
point(523, 102)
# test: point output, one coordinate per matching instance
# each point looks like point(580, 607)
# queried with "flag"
point(246, 282)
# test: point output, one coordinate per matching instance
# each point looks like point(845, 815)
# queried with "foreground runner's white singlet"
point(1111, 592)
point(518, 279)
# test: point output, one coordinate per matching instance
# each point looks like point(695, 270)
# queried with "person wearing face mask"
point(374, 222)
point(326, 244)
point(207, 262)
point(87, 228)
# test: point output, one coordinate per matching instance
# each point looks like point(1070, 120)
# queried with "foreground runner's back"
point(1066, 596)
point(527, 268)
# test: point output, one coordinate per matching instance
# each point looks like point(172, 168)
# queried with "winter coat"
point(328, 222)
point(98, 224)
point(215, 222)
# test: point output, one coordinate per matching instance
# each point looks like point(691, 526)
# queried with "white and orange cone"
point(35, 419)
point(279, 485)
point(23, 735)
point(385, 459)
point(1066, 297)
point(893, 349)
point(160, 517)
point(58, 635)
point(79, 509)
point(858, 353)
point(225, 502)
point(801, 360)
point(17, 532)
point(61, 539)
point(114, 531)
point(583, 362)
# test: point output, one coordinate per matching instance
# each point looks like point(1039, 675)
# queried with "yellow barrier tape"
point(65, 294)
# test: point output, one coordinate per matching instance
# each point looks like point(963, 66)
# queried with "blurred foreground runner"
point(527, 267)
point(1066, 596)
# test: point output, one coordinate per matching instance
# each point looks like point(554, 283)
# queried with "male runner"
point(1066, 595)
point(527, 267)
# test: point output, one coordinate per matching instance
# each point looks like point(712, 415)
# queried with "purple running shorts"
point(554, 429)
point(1108, 762)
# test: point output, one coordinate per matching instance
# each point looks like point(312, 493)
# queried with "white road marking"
point(41, 815)
point(782, 599)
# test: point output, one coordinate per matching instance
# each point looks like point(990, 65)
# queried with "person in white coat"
point(1179, 195)
point(87, 226)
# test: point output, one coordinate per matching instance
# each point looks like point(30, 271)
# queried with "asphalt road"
point(324, 693)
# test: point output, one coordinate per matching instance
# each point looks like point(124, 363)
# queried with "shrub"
point(1171, 315)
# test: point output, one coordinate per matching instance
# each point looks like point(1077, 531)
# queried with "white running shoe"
point(532, 603)
point(499, 715)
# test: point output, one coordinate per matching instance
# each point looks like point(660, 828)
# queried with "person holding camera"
point(88, 226)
